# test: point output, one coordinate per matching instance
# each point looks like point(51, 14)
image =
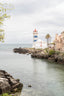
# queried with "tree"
point(48, 37)
point(4, 8)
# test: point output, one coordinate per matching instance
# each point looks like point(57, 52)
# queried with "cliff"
point(47, 53)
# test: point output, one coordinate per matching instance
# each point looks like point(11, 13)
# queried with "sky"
point(47, 16)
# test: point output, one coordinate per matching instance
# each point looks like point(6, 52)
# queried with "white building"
point(38, 43)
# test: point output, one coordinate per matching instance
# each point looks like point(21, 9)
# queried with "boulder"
point(29, 86)
point(8, 83)
point(4, 86)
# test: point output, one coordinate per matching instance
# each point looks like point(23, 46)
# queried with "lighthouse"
point(35, 37)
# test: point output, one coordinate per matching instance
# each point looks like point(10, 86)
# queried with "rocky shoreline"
point(8, 84)
point(49, 54)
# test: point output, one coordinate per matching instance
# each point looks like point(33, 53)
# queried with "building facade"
point(59, 42)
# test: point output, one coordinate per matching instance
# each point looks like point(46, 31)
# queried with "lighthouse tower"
point(35, 37)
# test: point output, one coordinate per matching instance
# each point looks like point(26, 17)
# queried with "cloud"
point(45, 15)
point(32, 6)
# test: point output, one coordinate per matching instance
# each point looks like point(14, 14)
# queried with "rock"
point(41, 54)
point(4, 85)
point(8, 83)
point(26, 50)
point(27, 54)
point(21, 50)
point(17, 80)
point(15, 90)
point(29, 86)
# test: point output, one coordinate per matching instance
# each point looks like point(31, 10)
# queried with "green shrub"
point(51, 52)
point(46, 49)
point(57, 52)
point(5, 94)
point(63, 54)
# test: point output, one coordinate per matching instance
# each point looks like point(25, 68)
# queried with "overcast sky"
point(47, 16)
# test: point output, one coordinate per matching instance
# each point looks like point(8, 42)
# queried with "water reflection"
point(35, 68)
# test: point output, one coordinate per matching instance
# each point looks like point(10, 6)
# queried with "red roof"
point(35, 30)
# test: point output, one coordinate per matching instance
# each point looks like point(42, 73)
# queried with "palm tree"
point(48, 37)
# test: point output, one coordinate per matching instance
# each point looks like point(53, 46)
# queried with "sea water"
point(46, 78)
